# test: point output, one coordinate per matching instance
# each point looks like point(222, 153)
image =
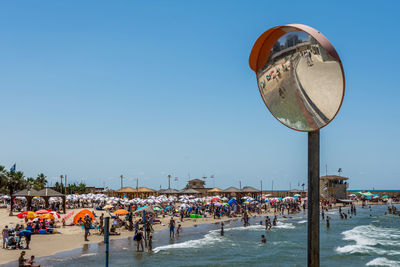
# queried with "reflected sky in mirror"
point(301, 84)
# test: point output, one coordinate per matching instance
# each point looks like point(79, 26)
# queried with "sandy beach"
point(72, 237)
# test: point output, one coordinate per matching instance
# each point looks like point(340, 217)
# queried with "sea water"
point(370, 238)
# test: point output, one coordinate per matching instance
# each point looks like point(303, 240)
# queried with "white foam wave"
point(383, 262)
point(88, 254)
point(282, 225)
point(209, 239)
point(302, 221)
point(367, 237)
point(247, 228)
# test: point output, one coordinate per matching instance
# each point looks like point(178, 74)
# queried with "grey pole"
point(106, 236)
point(313, 200)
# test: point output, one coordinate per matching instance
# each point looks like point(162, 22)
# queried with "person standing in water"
point(172, 228)
point(327, 221)
point(263, 239)
point(222, 229)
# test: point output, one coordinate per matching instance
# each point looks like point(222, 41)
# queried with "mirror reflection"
point(301, 84)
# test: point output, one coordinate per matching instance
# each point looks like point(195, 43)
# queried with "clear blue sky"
point(96, 89)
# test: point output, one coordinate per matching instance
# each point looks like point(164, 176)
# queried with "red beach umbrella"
point(42, 212)
point(22, 215)
point(55, 214)
point(215, 199)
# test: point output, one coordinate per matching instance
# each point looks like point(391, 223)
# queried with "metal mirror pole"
point(107, 236)
point(313, 200)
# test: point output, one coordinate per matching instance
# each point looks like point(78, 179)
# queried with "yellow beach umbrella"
point(31, 215)
point(121, 212)
point(47, 216)
point(107, 207)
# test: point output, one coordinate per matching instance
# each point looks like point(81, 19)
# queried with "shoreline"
point(68, 242)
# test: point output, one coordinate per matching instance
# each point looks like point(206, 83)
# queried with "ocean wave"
point(209, 239)
point(88, 254)
point(303, 221)
point(248, 228)
point(282, 225)
point(367, 237)
point(383, 262)
point(214, 237)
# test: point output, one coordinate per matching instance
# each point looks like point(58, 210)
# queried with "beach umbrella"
point(22, 214)
point(215, 199)
point(157, 209)
point(147, 209)
point(218, 204)
point(31, 215)
point(232, 201)
point(55, 214)
point(42, 212)
point(46, 216)
point(121, 212)
point(68, 215)
point(297, 195)
point(106, 207)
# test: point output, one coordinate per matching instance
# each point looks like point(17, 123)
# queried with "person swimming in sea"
point(263, 239)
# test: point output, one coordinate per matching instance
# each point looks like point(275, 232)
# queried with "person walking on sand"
point(86, 225)
point(5, 236)
point(172, 228)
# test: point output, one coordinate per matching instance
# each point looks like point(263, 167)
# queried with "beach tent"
point(81, 215)
point(385, 197)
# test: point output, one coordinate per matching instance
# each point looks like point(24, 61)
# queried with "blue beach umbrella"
point(232, 201)
point(141, 208)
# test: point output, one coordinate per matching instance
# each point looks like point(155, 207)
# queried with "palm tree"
point(12, 181)
point(40, 181)
point(2, 178)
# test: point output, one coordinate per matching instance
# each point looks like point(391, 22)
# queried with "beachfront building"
point(168, 192)
point(333, 186)
point(231, 192)
point(129, 192)
point(189, 191)
point(250, 191)
point(195, 184)
point(214, 191)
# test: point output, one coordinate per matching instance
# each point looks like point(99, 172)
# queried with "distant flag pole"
point(13, 168)
point(176, 180)
point(212, 176)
